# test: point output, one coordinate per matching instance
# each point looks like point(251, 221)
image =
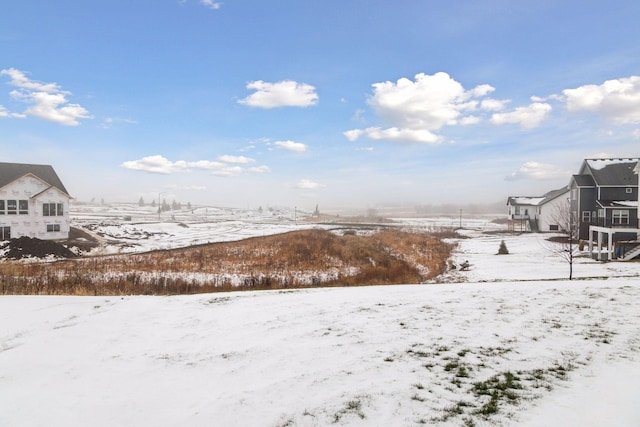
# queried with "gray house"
point(604, 193)
point(33, 202)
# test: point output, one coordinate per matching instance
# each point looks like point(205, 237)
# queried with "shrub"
point(502, 250)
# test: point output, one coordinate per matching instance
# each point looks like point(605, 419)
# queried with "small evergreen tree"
point(503, 249)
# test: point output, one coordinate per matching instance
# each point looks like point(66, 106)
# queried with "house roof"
point(632, 204)
point(554, 193)
point(612, 172)
point(9, 172)
point(584, 180)
point(538, 200)
point(524, 200)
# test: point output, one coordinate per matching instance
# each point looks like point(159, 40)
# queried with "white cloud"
point(260, 169)
point(491, 104)
point(298, 147)
point(6, 113)
point(162, 165)
point(636, 134)
point(229, 171)
point(211, 4)
point(236, 159)
point(415, 109)
point(47, 100)
point(470, 120)
point(406, 135)
point(286, 93)
point(225, 166)
point(353, 134)
point(617, 100)
point(306, 184)
point(527, 117)
point(537, 171)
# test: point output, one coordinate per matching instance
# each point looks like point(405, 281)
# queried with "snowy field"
point(126, 228)
point(514, 344)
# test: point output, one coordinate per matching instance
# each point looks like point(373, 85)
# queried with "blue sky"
point(338, 103)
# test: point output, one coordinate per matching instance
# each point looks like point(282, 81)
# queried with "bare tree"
point(567, 247)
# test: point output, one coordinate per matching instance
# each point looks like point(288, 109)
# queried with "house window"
point(52, 209)
point(629, 190)
point(586, 216)
point(5, 233)
point(53, 227)
point(12, 207)
point(553, 227)
point(517, 210)
point(23, 207)
point(620, 217)
point(601, 213)
point(574, 194)
point(2, 212)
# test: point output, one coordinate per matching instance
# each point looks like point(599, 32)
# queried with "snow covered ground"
point(507, 347)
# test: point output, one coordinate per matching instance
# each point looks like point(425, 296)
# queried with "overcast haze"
point(339, 103)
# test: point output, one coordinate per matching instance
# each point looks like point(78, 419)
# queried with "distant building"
point(33, 202)
point(536, 214)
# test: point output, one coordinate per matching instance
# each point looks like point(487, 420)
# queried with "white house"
point(33, 202)
point(538, 214)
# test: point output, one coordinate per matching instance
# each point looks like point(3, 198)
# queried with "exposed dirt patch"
point(27, 247)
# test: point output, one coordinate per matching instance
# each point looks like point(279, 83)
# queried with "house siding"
point(35, 193)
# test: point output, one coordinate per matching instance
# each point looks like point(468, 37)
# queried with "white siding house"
point(537, 214)
point(33, 203)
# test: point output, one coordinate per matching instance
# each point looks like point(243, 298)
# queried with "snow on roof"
point(520, 200)
point(598, 164)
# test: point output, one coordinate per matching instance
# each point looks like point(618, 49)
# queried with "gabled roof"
point(536, 201)
point(554, 193)
point(611, 172)
point(9, 172)
point(524, 200)
point(583, 180)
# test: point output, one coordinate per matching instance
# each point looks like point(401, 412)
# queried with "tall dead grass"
point(291, 260)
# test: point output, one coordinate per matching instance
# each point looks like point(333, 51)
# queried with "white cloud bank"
point(537, 171)
point(48, 101)
point(416, 109)
point(527, 117)
point(616, 100)
point(297, 147)
point(286, 93)
point(225, 166)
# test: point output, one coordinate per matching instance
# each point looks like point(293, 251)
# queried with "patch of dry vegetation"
point(296, 259)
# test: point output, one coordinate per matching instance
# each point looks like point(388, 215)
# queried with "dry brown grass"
point(296, 259)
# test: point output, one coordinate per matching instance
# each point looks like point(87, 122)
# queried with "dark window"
point(2, 207)
point(5, 233)
point(620, 217)
point(53, 227)
point(553, 227)
point(52, 209)
point(12, 207)
point(23, 207)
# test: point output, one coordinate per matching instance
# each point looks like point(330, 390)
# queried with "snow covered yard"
point(515, 345)
point(466, 354)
